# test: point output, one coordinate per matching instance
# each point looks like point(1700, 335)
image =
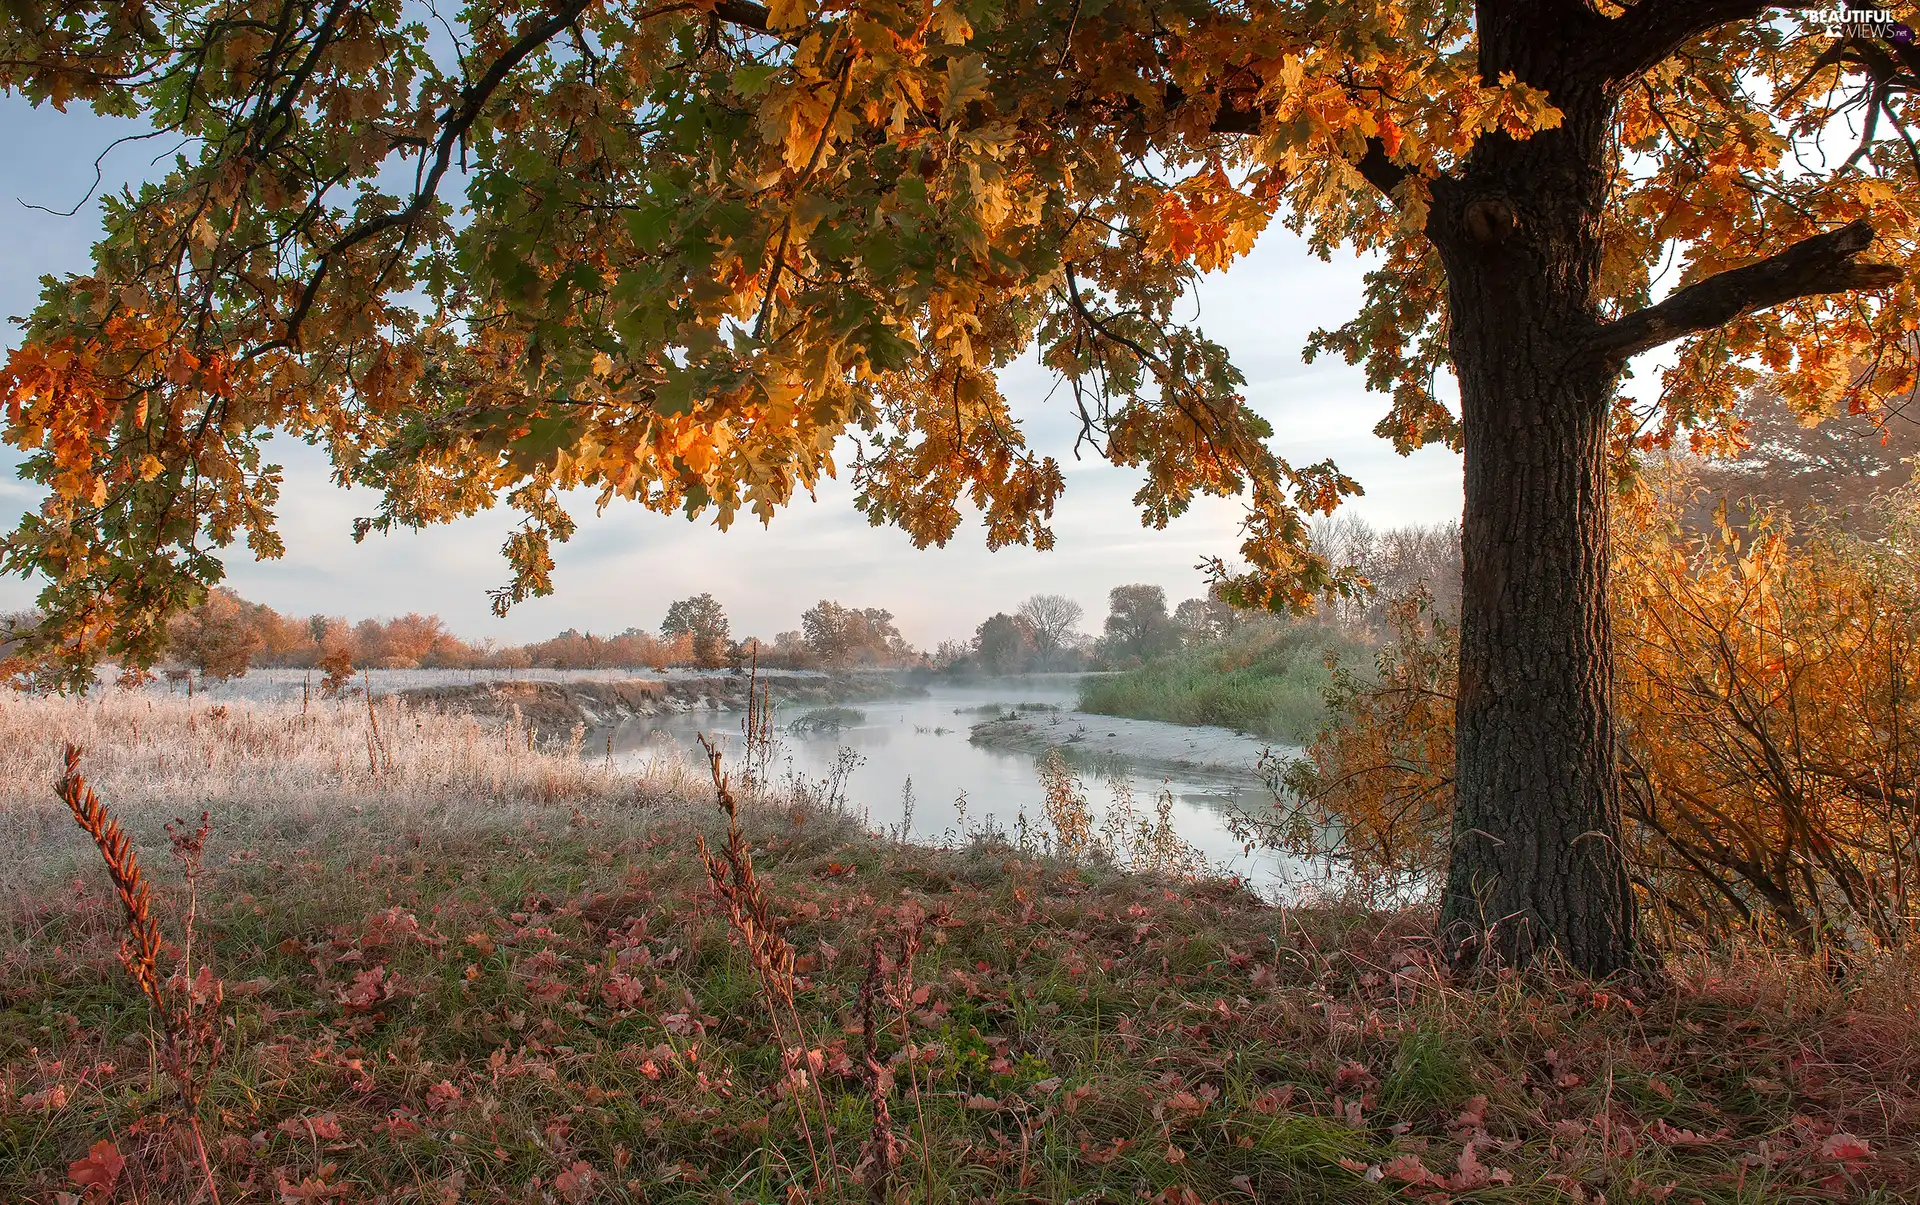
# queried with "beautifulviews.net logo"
point(1846, 21)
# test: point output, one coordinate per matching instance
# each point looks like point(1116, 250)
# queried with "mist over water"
point(923, 740)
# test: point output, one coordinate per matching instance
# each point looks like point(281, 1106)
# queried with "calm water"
point(922, 741)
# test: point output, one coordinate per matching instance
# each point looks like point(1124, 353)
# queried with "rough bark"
point(1537, 858)
point(1536, 861)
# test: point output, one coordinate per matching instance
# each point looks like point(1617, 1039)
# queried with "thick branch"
point(744, 13)
point(1825, 263)
point(1380, 169)
point(454, 127)
point(1652, 30)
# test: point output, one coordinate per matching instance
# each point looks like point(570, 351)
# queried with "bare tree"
point(1053, 618)
point(1395, 561)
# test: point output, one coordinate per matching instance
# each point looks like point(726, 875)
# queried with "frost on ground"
point(281, 767)
point(447, 962)
point(1084, 735)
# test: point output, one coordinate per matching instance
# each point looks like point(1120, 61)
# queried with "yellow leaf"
point(786, 14)
point(950, 25)
point(966, 81)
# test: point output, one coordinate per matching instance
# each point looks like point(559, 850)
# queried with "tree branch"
point(744, 13)
point(1825, 263)
point(1652, 30)
point(454, 126)
point(1232, 118)
point(1380, 169)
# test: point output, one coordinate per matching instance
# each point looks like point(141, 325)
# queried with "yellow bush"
point(1770, 718)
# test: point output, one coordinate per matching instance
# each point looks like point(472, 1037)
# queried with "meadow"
point(445, 962)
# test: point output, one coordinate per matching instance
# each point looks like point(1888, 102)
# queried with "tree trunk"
point(1537, 861)
point(1537, 858)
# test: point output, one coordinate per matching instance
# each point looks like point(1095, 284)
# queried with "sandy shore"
point(1218, 750)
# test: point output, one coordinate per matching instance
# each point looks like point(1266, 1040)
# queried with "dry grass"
point(511, 986)
point(282, 768)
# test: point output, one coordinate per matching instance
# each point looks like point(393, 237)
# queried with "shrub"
point(825, 721)
point(1767, 701)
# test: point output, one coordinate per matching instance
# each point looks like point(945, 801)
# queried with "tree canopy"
point(674, 252)
point(705, 621)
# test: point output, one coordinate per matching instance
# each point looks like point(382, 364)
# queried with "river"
point(915, 772)
point(923, 740)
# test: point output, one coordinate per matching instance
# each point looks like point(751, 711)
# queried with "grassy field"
point(1266, 682)
point(458, 968)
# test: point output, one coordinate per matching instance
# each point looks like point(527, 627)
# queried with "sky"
point(624, 566)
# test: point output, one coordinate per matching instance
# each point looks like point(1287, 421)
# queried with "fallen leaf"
point(575, 1184)
point(100, 1169)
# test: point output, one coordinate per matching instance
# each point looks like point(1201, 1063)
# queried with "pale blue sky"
point(625, 566)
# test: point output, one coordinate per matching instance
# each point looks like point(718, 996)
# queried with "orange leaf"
point(100, 1169)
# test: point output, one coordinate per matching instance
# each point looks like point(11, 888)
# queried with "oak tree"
point(683, 252)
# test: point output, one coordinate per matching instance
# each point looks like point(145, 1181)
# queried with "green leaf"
point(650, 225)
point(675, 395)
point(752, 81)
point(545, 439)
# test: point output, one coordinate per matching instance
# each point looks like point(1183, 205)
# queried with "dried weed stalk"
point(757, 728)
point(140, 949)
point(880, 1155)
point(749, 913)
point(900, 998)
point(748, 907)
point(188, 1003)
point(881, 1151)
point(378, 754)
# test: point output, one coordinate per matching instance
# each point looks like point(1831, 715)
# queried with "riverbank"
point(1269, 681)
point(556, 707)
point(443, 993)
point(1088, 738)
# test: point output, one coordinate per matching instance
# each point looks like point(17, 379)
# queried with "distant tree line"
point(226, 635)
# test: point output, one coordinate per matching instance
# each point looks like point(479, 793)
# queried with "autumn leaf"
point(100, 1169)
point(967, 80)
point(575, 1184)
point(786, 14)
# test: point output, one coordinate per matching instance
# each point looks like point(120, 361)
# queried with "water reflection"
point(918, 773)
